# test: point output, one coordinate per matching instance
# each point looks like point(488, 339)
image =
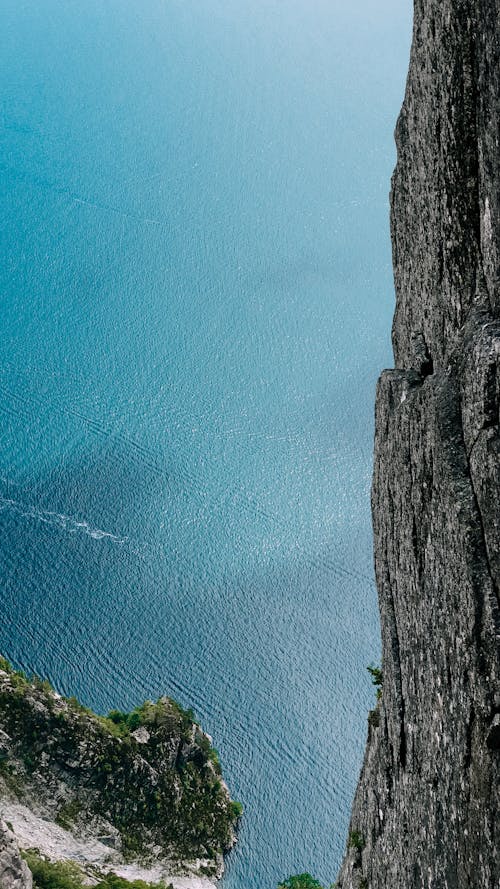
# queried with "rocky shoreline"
point(139, 794)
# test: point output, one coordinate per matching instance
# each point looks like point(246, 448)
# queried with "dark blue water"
point(196, 302)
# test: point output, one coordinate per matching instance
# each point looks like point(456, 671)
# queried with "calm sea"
point(196, 299)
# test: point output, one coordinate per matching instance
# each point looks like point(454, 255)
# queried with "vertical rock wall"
point(426, 808)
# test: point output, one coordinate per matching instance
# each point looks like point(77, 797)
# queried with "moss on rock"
point(151, 774)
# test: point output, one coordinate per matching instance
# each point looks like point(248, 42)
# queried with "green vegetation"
point(119, 724)
point(151, 714)
point(68, 813)
point(116, 723)
point(42, 684)
point(356, 840)
point(67, 875)
point(377, 679)
point(114, 882)
point(11, 778)
point(236, 809)
point(75, 705)
point(53, 875)
point(131, 845)
point(4, 665)
point(17, 677)
point(303, 881)
point(180, 802)
point(204, 744)
point(300, 881)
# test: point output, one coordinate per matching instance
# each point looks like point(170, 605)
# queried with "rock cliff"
point(14, 872)
point(137, 794)
point(425, 811)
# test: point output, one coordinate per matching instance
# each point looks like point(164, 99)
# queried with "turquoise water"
point(196, 303)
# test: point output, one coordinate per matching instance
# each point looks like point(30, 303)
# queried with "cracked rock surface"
point(14, 872)
point(138, 794)
point(427, 800)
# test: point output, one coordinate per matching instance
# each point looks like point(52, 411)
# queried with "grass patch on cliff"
point(10, 777)
point(162, 787)
point(68, 814)
point(18, 678)
point(377, 679)
point(21, 680)
point(53, 875)
point(112, 881)
point(68, 875)
point(149, 714)
point(118, 723)
point(4, 665)
point(236, 809)
point(356, 840)
point(301, 881)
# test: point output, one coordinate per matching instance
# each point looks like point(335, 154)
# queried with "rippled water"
point(196, 302)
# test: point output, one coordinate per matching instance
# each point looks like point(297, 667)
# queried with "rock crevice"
point(428, 793)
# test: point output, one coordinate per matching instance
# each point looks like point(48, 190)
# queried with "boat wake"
point(57, 519)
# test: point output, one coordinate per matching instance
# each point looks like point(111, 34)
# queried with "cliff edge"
point(425, 811)
point(138, 794)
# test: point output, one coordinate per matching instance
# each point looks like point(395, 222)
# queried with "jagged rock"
point(14, 872)
point(141, 735)
point(427, 801)
point(106, 791)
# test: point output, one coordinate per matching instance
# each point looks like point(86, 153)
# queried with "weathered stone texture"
point(427, 801)
point(145, 785)
point(14, 872)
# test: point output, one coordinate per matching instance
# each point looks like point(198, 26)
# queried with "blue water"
point(196, 302)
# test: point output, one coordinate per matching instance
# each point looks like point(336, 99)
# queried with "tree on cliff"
point(300, 881)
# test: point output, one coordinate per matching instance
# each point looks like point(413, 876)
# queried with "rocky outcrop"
point(425, 811)
point(138, 793)
point(14, 872)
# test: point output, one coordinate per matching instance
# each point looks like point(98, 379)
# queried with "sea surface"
point(196, 299)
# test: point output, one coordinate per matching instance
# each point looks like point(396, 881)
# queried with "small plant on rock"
point(68, 875)
point(356, 840)
point(300, 881)
point(236, 809)
point(377, 679)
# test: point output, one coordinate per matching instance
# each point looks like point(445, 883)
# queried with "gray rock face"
point(425, 811)
point(143, 788)
point(14, 872)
